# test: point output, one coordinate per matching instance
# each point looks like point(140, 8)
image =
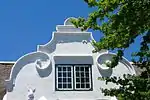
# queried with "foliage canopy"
point(121, 21)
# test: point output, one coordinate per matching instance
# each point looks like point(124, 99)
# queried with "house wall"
point(5, 68)
point(69, 45)
point(45, 86)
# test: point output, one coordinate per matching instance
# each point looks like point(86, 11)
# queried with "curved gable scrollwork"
point(106, 57)
point(26, 59)
point(67, 33)
point(68, 46)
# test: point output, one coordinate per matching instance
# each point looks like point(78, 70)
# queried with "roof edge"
point(7, 62)
point(12, 62)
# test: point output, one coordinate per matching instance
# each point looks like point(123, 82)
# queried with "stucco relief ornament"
point(42, 98)
point(30, 95)
point(60, 41)
point(84, 41)
point(39, 63)
point(42, 64)
point(5, 97)
point(103, 60)
point(104, 65)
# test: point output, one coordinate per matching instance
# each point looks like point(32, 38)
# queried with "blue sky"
point(24, 24)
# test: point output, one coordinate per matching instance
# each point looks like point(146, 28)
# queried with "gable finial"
point(68, 21)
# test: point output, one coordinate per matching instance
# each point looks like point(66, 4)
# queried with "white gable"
point(71, 49)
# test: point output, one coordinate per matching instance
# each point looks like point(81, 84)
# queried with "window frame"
point(74, 78)
point(56, 78)
point(90, 80)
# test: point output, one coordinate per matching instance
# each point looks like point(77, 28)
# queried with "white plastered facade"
point(69, 45)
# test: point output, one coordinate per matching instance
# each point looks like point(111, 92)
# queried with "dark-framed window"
point(64, 77)
point(73, 77)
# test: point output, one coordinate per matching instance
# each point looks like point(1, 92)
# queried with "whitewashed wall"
point(67, 46)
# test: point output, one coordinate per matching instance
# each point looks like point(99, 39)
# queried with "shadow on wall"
point(105, 73)
point(20, 63)
point(44, 72)
point(2, 92)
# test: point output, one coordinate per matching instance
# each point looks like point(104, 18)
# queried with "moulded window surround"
point(73, 77)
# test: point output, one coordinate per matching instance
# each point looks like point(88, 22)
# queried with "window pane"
point(59, 85)
point(64, 77)
point(87, 85)
point(77, 85)
point(82, 86)
point(69, 74)
point(59, 74)
point(59, 69)
point(82, 74)
point(77, 79)
point(69, 86)
point(69, 68)
point(77, 74)
point(82, 68)
point(77, 68)
point(82, 80)
point(82, 77)
point(86, 69)
point(87, 75)
point(64, 68)
point(59, 79)
point(87, 79)
point(69, 79)
point(64, 85)
point(64, 74)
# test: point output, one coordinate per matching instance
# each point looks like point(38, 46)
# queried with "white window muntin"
point(75, 82)
point(57, 83)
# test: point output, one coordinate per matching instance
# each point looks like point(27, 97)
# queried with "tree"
point(121, 21)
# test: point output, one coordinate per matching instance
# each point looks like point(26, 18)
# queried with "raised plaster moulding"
point(68, 21)
point(106, 57)
point(84, 41)
point(30, 94)
point(43, 66)
point(69, 27)
point(60, 41)
point(5, 97)
point(32, 57)
point(43, 63)
point(102, 59)
point(104, 64)
point(42, 98)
